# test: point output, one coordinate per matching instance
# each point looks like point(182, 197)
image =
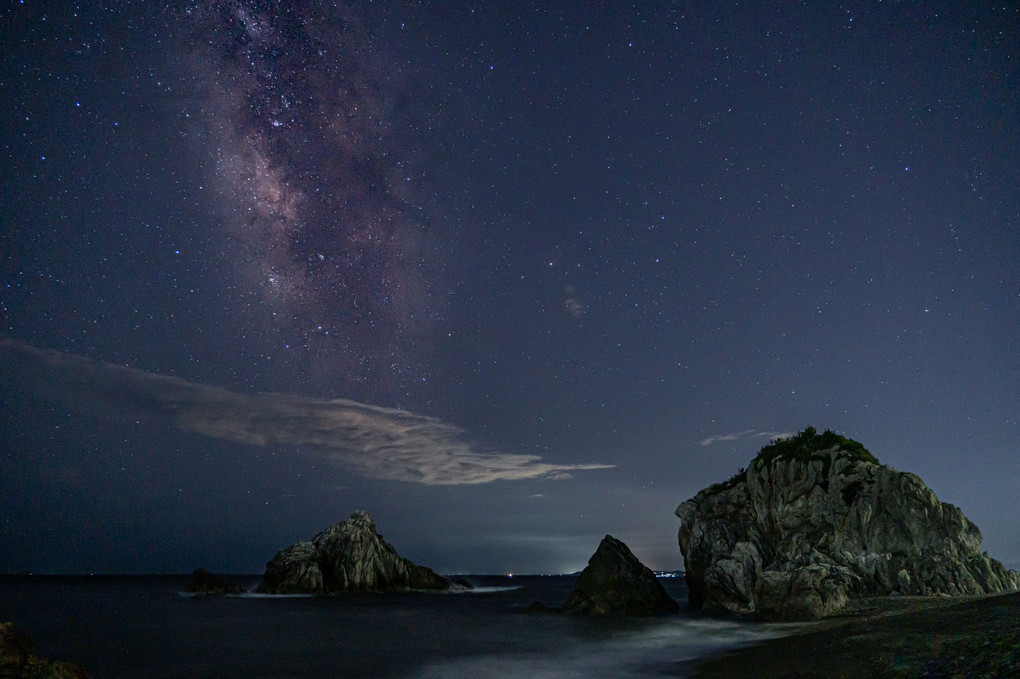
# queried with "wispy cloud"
point(377, 442)
point(747, 433)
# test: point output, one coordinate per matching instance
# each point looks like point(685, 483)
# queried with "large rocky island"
point(349, 556)
point(816, 522)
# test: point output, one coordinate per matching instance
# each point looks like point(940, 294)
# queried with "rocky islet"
point(206, 583)
point(615, 582)
point(349, 556)
point(816, 521)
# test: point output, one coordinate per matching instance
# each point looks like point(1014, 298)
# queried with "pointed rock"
point(347, 557)
point(616, 583)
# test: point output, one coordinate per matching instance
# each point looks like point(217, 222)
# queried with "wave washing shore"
point(143, 626)
point(890, 638)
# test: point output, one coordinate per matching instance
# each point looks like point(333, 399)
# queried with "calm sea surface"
point(143, 626)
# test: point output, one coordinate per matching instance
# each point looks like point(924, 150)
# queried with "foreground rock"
point(204, 582)
point(816, 521)
point(347, 557)
point(616, 583)
point(19, 661)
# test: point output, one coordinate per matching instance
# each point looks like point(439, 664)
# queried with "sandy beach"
point(890, 637)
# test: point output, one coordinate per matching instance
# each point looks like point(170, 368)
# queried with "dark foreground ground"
point(890, 638)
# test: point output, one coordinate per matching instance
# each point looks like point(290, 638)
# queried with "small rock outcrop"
point(538, 608)
point(616, 583)
point(19, 661)
point(816, 521)
point(347, 557)
point(204, 582)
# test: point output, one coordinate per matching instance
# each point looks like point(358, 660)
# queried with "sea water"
point(145, 626)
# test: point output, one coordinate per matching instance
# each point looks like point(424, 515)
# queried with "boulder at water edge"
point(347, 557)
point(816, 521)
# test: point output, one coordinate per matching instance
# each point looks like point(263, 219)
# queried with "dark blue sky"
point(648, 237)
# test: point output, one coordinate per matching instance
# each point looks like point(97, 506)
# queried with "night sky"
point(509, 276)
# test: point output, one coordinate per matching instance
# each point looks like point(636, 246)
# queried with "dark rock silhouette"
point(204, 582)
point(538, 608)
point(816, 521)
point(347, 557)
point(19, 661)
point(616, 583)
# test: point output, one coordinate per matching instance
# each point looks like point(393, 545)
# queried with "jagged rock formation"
point(204, 582)
point(616, 583)
point(347, 557)
point(19, 661)
point(816, 521)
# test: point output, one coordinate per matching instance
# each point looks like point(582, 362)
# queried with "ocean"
point(135, 627)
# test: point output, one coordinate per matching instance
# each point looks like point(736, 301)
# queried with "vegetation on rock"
point(808, 443)
point(804, 446)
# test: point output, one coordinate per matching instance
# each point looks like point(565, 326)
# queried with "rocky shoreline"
point(18, 659)
point(887, 638)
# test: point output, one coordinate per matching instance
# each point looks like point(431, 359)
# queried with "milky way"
point(298, 100)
